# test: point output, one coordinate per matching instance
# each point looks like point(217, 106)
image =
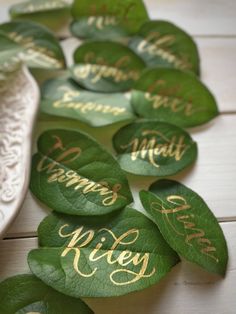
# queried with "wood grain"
point(207, 18)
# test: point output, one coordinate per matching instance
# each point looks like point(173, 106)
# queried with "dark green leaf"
point(187, 224)
point(73, 174)
point(162, 44)
point(154, 148)
point(98, 27)
point(32, 43)
point(26, 294)
point(130, 14)
point(63, 97)
point(53, 14)
point(105, 66)
point(173, 96)
point(101, 256)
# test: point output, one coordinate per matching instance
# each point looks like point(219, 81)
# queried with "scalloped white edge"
point(19, 99)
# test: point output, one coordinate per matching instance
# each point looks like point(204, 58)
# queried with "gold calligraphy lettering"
point(100, 22)
point(38, 54)
point(159, 45)
point(32, 7)
point(180, 203)
point(151, 147)
point(99, 68)
point(81, 239)
point(174, 103)
point(70, 178)
point(68, 101)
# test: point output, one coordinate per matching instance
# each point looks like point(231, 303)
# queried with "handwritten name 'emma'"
point(187, 221)
point(98, 68)
point(70, 178)
point(151, 148)
point(69, 101)
point(159, 45)
point(114, 255)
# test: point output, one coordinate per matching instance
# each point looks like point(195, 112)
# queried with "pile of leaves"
point(143, 77)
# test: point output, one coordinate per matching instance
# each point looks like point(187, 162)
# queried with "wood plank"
point(218, 68)
point(212, 17)
point(187, 289)
point(213, 176)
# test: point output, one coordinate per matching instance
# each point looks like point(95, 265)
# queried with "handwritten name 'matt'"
point(157, 145)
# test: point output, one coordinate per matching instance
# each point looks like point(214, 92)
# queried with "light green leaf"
point(173, 96)
point(26, 294)
point(105, 66)
point(162, 44)
point(64, 98)
point(98, 27)
point(130, 14)
point(187, 224)
point(101, 256)
point(32, 43)
point(73, 174)
point(154, 148)
point(53, 14)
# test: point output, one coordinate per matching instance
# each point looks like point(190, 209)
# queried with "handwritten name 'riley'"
point(114, 255)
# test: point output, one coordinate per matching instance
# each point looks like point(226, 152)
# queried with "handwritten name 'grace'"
point(187, 221)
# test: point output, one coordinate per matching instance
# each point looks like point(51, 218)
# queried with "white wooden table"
point(187, 289)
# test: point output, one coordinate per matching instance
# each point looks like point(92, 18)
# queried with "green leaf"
point(162, 44)
point(98, 27)
point(32, 43)
point(154, 148)
point(53, 14)
point(105, 66)
point(130, 14)
point(173, 96)
point(64, 98)
point(187, 224)
point(73, 174)
point(26, 294)
point(101, 256)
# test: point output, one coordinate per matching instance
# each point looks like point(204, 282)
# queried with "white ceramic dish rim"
point(27, 100)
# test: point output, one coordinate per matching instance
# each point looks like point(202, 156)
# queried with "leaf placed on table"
point(64, 98)
point(26, 294)
point(173, 96)
point(73, 174)
point(129, 14)
point(53, 14)
point(34, 44)
point(105, 66)
point(154, 148)
point(101, 256)
point(162, 44)
point(187, 224)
